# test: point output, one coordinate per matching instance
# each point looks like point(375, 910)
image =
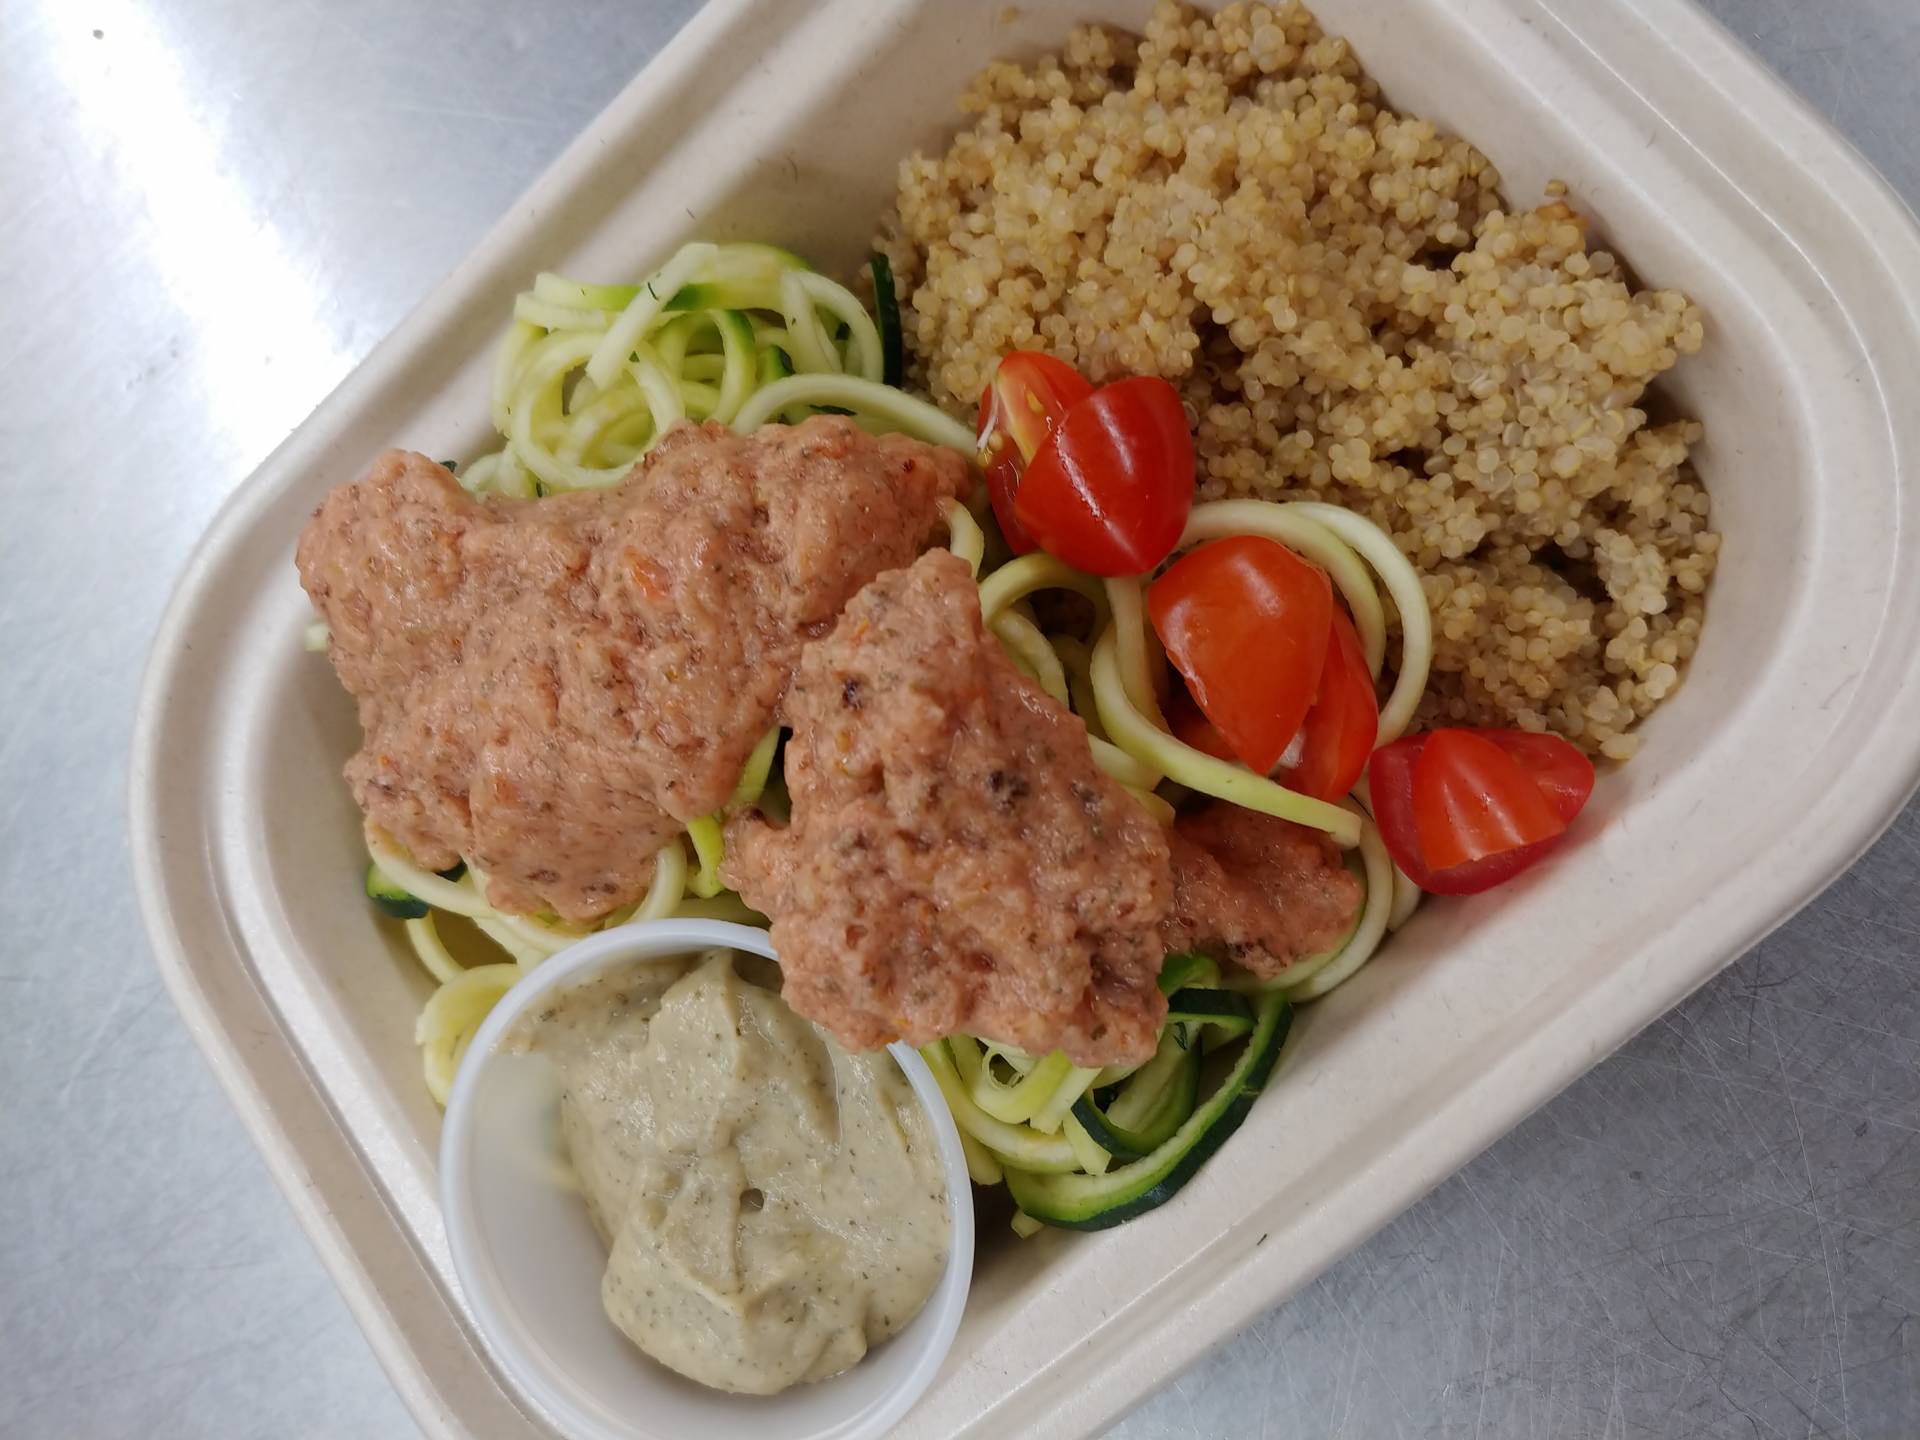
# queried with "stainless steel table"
point(209, 210)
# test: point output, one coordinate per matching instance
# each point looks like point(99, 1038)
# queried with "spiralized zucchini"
point(1153, 745)
point(461, 1001)
point(450, 1017)
point(1044, 1116)
point(589, 377)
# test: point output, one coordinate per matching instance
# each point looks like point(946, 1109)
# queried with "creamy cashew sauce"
point(772, 1204)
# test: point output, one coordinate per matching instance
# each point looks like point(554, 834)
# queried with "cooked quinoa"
point(1352, 315)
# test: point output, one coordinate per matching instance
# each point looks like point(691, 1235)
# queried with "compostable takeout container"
point(1788, 749)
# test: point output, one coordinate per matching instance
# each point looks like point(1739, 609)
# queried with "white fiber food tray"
point(1790, 746)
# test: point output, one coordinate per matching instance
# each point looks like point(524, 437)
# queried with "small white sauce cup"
point(530, 1264)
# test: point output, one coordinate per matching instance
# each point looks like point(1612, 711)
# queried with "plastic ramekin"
point(530, 1263)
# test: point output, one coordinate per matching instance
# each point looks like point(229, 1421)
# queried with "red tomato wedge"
point(1470, 800)
point(1248, 623)
point(1338, 734)
point(1190, 727)
point(1408, 788)
point(1027, 398)
point(1564, 775)
point(1109, 490)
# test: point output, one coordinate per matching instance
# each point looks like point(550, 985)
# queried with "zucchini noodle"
point(756, 772)
point(1077, 658)
point(589, 377)
point(705, 834)
point(465, 994)
point(810, 351)
point(1019, 1145)
point(607, 357)
point(878, 406)
point(709, 847)
point(964, 536)
point(1031, 651)
point(1145, 741)
point(450, 1017)
point(1036, 1120)
point(1052, 1114)
point(553, 315)
point(1016, 1102)
point(982, 1168)
point(1133, 653)
point(1017, 579)
point(562, 291)
point(528, 939)
point(1093, 1160)
point(535, 398)
point(525, 955)
point(436, 890)
point(507, 362)
point(1409, 598)
point(434, 955)
point(817, 292)
point(542, 939)
point(1133, 773)
point(669, 887)
point(1406, 894)
point(1061, 664)
point(1017, 1061)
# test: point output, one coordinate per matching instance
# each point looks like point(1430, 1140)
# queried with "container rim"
point(303, 1139)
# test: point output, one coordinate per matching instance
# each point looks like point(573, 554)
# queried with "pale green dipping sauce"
point(772, 1205)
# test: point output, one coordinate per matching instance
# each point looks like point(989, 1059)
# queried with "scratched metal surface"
point(209, 210)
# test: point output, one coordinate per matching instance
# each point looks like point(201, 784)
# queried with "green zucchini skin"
point(774, 365)
point(391, 899)
point(751, 280)
point(886, 316)
point(1181, 968)
point(1203, 1007)
point(1169, 1113)
point(1191, 1010)
point(1188, 1010)
point(1099, 1202)
point(715, 295)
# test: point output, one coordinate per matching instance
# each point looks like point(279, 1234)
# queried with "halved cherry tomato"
point(1109, 490)
point(1562, 778)
point(1564, 775)
point(1470, 800)
point(1248, 623)
point(1338, 734)
point(1029, 394)
point(1193, 728)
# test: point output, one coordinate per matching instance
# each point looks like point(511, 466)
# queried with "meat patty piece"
point(552, 688)
point(1264, 892)
point(956, 863)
